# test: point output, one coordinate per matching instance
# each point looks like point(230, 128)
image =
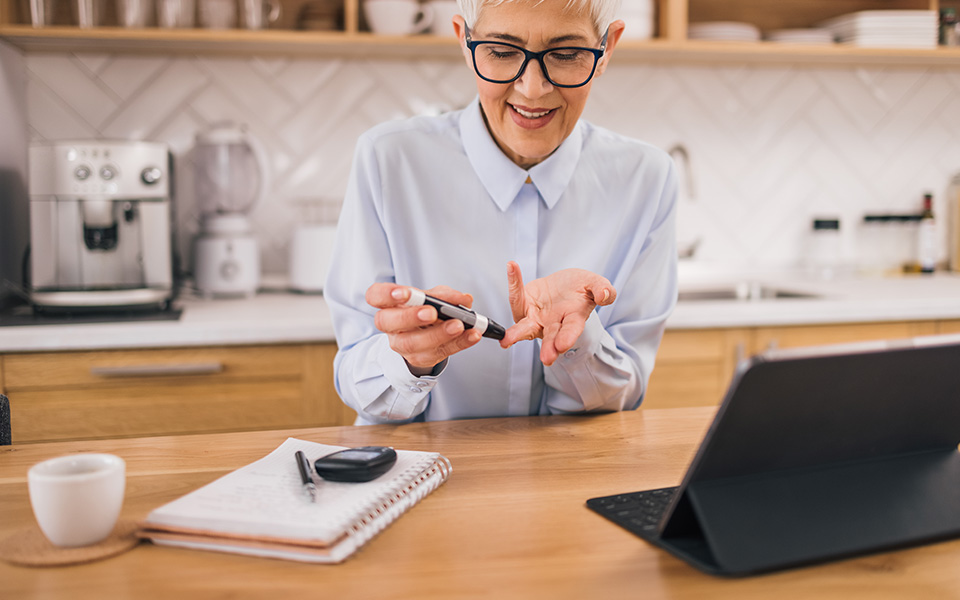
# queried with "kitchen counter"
point(843, 299)
point(277, 317)
point(267, 318)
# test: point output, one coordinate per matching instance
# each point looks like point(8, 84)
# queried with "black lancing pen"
point(471, 320)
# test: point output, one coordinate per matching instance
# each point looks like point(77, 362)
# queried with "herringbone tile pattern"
point(770, 147)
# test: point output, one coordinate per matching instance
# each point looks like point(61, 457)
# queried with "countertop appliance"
point(230, 178)
point(100, 225)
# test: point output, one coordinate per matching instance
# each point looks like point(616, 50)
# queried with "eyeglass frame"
point(528, 56)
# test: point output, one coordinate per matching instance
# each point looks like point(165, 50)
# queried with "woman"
point(516, 182)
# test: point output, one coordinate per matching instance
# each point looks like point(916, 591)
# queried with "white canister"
point(310, 253)
point(638, 16)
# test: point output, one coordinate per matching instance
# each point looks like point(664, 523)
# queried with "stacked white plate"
point(809, 36)
point(730, 31)
point(886, 28)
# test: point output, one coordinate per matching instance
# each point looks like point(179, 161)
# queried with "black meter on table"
point(356, 464)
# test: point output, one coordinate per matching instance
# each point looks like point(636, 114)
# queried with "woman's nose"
point(532, 83)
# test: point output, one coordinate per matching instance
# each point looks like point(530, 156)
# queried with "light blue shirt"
point(433, 201)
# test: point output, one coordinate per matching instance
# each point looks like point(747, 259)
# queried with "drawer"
point(172, 365)
point(192, 406)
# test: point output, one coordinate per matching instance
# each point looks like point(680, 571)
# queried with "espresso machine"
point(100, 226)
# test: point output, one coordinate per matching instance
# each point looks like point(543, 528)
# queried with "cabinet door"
point(952, 326)
point(694, 367)
point(819, 335)
point(86, 395)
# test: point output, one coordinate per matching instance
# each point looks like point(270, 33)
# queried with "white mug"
point(257, 14)
point(443, 13)
point(77, 498)
point(397, 17)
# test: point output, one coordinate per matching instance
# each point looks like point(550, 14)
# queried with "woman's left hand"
point(554, 308)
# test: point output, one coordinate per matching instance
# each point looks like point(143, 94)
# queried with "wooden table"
point(510, 522)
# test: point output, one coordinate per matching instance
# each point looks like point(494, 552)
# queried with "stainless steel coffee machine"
point(100, 225)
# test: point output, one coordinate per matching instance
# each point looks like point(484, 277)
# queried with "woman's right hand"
point(415, 332)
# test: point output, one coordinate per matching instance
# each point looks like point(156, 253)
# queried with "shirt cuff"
point(411, 389)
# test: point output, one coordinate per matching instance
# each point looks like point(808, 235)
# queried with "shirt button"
point(414, 388)
point(570, 353)
point(422, 384)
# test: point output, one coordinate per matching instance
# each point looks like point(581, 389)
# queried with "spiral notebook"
point(261, 509)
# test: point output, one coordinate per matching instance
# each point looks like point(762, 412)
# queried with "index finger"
point(387, 295)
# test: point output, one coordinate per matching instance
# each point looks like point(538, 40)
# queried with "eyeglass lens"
point(565, 66)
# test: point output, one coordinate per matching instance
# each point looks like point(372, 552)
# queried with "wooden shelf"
point(671, 46)
point(325, 43)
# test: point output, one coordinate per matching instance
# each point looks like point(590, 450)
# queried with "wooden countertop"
point(510, 522)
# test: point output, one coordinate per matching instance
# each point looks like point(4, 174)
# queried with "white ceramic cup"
point(397, 17)
point(77, 498)
point(257, 14)
point(443, 13)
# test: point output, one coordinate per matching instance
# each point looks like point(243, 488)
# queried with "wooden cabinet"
point(351, 36)
point(694, 366)
point(121, 393)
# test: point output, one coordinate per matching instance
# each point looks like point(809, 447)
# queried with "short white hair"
point(603, 12)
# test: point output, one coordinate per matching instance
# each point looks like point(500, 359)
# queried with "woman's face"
point(529, 117)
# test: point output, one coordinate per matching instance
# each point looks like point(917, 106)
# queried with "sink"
point(742, 291)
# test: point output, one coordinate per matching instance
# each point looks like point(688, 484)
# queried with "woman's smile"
point(530, 117)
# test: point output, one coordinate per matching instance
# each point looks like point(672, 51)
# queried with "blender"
point(230, 178)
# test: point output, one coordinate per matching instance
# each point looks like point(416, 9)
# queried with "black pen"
point(471, 320)
point(304, 466)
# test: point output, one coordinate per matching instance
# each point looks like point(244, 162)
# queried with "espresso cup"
point(397, 17)
point(77, 498)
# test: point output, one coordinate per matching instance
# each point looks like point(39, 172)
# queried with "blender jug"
point(230, 178)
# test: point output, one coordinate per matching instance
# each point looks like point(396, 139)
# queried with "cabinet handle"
point(158, 370)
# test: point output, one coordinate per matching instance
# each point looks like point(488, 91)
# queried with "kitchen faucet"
point(679, 151)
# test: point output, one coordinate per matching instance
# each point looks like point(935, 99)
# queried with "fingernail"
point(398, 293)
point(425, 314)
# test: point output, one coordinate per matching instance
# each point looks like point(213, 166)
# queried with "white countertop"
point(267, 318)
point(843, 299)
point(277, 317)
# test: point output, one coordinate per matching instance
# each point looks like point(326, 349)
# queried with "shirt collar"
point(501, 177)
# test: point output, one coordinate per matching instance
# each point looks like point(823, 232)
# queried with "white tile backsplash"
point(770, 146)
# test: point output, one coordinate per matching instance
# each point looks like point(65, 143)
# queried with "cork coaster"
point(30, 548)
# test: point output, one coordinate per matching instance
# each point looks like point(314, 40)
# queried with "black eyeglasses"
point(568, 67)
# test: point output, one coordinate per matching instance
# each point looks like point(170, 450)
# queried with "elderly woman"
point(471, 204)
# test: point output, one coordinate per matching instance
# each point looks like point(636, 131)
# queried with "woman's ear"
point(614, 32)
point(460, 29)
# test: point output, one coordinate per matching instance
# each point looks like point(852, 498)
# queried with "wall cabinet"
point(350, 35)
point(694, 366)
point(88, 395)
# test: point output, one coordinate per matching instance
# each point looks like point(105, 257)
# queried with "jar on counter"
point(824, 248)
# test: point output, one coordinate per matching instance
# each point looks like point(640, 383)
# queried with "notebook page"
point(266, 497)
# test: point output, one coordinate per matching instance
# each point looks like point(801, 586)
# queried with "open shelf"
point(670, 45)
